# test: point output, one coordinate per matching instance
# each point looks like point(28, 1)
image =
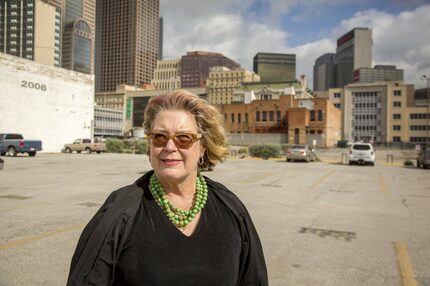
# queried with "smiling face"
point(170, 163)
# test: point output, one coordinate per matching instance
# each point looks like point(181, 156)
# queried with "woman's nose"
point(170, 145)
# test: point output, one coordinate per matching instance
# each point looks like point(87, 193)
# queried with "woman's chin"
point(172, 173)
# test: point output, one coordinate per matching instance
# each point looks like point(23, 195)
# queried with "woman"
point(173, 226)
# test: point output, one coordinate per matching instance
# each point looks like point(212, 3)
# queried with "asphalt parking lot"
point(322, 223)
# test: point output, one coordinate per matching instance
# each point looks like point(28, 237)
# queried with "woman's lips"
point(171, 162)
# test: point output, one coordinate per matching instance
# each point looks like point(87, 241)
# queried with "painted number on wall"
point(33, 85)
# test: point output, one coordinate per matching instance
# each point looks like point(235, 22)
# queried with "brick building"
point(304, 120)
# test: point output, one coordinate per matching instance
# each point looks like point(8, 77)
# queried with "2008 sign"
point(35, 85)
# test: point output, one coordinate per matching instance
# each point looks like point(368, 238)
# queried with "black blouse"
point(156, 253)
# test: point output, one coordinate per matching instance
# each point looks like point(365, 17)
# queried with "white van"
point(362, 153)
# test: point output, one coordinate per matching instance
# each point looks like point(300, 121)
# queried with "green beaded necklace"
point(180, 218)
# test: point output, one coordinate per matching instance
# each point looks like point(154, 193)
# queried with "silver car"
point(300, 153)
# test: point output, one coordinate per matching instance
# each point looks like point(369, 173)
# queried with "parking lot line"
point(382, 183)
point(405, 265)
point(40, 236)
point(392, 165)
point(321, 179)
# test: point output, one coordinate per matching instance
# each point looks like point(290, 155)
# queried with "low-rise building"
point(108, 122)
point(302, 120)
point(378, 73)
point(45, 102)
point(380, 112)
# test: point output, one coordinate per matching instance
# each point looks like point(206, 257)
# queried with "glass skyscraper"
point(31, 29)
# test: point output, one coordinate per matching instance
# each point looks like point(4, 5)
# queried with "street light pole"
point(425, 77)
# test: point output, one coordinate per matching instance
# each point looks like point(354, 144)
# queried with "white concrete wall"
point(44, 102)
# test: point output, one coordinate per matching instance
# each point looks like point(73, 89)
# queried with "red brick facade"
point(285, 116)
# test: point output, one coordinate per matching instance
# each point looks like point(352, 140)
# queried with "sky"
point(239, 29)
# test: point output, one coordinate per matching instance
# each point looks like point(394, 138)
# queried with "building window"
point(419, 127)
point(417, 139)
point(271, 116)
point(246, 117)
point(239, 117)
point(278, 116)
point(397, 103)
point(418, 116)
point(232, 118)
point(397, 93)
point(312, 115)
point(396, 127)
point(320, 115)
point(397, 116)
point(337, 94)
point(337, 105)
point(264, 115)
point(258, 115)
point(396, 139)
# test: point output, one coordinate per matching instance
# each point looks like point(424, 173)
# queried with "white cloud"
point(229, 35)
point(229, 27)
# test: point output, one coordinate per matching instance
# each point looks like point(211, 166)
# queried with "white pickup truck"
point(85, 145)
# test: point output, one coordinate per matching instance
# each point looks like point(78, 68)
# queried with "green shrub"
point(408, 163)
point(128, 144)
point(141, 146)
point(264, 150)
point(114, 145)
point(243, 150)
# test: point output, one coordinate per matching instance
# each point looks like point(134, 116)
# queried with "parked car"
point(300, 153)
point(13, 143)
point(1, 164)
point(362, 153)
point(423, 159)
point(85, 145)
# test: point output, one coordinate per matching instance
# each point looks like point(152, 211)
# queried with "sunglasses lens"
point(184, 140)
point(159, 140)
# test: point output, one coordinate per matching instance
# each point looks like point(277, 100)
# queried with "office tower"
point(127, 41)
point(324, 72)
point(354, 50)
point(273, 67)
point(160, 52)
point(222, 83)
point(31, 29)
point(78, 35)
point(196, 65)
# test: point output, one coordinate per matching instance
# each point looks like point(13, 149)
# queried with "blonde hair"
point(209, 121)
